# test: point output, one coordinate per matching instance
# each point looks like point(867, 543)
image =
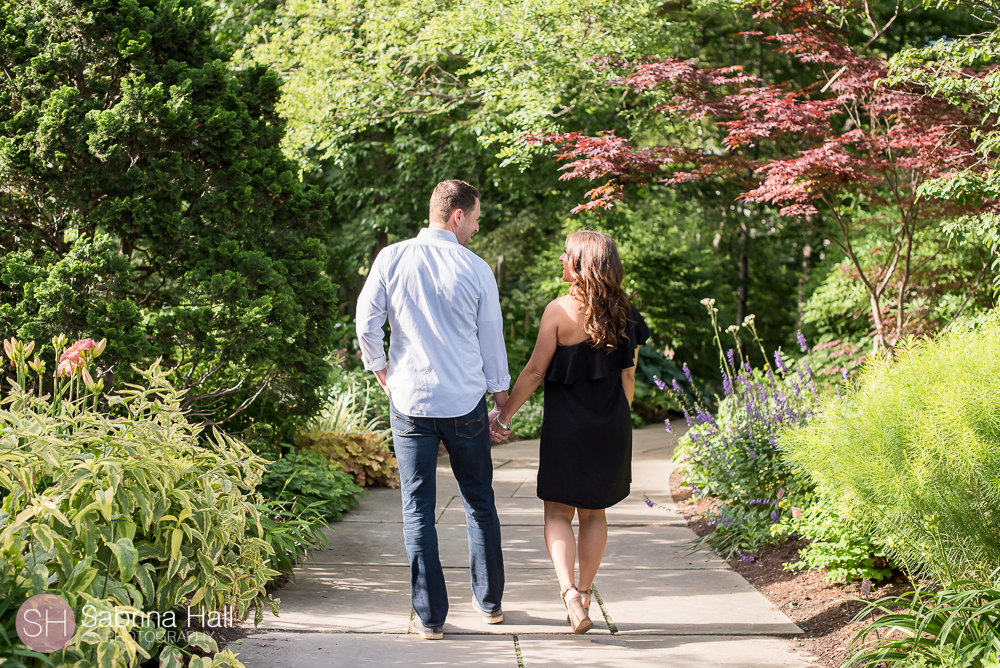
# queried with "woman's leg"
point(560, 541)
point(593, 539)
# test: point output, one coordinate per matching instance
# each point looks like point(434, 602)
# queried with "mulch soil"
point(823, 610)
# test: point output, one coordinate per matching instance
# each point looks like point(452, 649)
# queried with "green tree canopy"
point(144, 198)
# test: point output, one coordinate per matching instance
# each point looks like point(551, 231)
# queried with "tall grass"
point(912, 450)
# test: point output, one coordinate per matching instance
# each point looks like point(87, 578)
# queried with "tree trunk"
point(741, 289)
point(876, 321)
point(903, 284)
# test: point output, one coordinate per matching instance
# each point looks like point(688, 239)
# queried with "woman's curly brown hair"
point(597, 279)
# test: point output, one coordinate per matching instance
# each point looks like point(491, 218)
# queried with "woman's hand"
point(497, 433)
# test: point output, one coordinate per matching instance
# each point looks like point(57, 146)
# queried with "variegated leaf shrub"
point(130, 506)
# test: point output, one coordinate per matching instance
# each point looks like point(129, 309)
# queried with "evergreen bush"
point(144, 198)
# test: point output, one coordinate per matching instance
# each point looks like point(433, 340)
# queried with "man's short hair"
point(451, 195)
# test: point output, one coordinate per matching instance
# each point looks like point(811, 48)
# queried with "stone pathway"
point(659, 605)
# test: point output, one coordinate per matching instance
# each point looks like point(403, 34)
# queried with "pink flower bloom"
point(71, 359)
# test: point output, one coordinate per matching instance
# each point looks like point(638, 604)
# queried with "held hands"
point(497, 433)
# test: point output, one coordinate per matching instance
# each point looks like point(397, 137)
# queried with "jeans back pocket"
point(471, 425)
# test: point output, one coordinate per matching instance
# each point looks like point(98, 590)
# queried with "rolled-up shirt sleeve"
point(489, 320)
point(371, 314)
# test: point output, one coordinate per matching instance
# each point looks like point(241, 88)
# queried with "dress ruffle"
point(571, 364)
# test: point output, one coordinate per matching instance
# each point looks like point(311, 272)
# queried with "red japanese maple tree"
point(847, 149)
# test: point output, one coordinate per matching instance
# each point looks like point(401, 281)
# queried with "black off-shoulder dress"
point(585, 457)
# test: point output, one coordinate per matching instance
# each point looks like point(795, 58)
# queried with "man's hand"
point(380, 377)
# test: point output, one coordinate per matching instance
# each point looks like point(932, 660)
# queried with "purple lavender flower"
point(727, 385)
point(659, 383)
point(687, 373)
point(802, 342)
point(666, 425)
point(753, 454)
point(648, 502)
point(774, 515)
point(843, 372)
point(746, 365)
point(677, 387)
point(798, 390)
point(780, 362)
point(729, 354)
point(687, 416)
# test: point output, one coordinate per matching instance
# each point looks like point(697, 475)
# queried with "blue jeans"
point(467, 439)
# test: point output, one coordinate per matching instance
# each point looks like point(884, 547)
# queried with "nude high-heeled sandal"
point(586, 606)
point(578, 616)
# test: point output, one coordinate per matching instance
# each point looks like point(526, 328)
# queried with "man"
point(446, 350)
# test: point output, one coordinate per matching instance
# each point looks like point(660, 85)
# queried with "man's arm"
point(371, 314)
point(489, 321)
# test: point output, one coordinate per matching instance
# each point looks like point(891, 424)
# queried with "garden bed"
point(823, 610)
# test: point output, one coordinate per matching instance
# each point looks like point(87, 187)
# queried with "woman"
point(586, 351)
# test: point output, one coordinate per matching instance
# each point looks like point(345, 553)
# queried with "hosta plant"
point(130, 507)
point(311, 484)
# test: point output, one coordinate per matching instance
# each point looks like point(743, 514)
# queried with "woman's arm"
point(628, 378)
point(533, 373)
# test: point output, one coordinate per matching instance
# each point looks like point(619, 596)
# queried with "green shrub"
point(139, 509)
point(528, 423)
point(12, 653)
point(311, 483)
point(912, 450)
point(957, 627)
point(838, 546)
point(146, 199)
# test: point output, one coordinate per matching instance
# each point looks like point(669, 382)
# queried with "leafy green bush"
point(139, 509)
point(838, 546)
point(12, 653)
point(735, 457)
point(311, 483)
point(912, 450)
point(957, 627)
point(529, 419)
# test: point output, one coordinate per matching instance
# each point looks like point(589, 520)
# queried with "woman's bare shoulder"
point(561, 307)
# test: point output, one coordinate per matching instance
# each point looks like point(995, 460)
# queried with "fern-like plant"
point(912, 451)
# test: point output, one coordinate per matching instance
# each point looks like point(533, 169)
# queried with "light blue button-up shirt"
point(446, 345)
